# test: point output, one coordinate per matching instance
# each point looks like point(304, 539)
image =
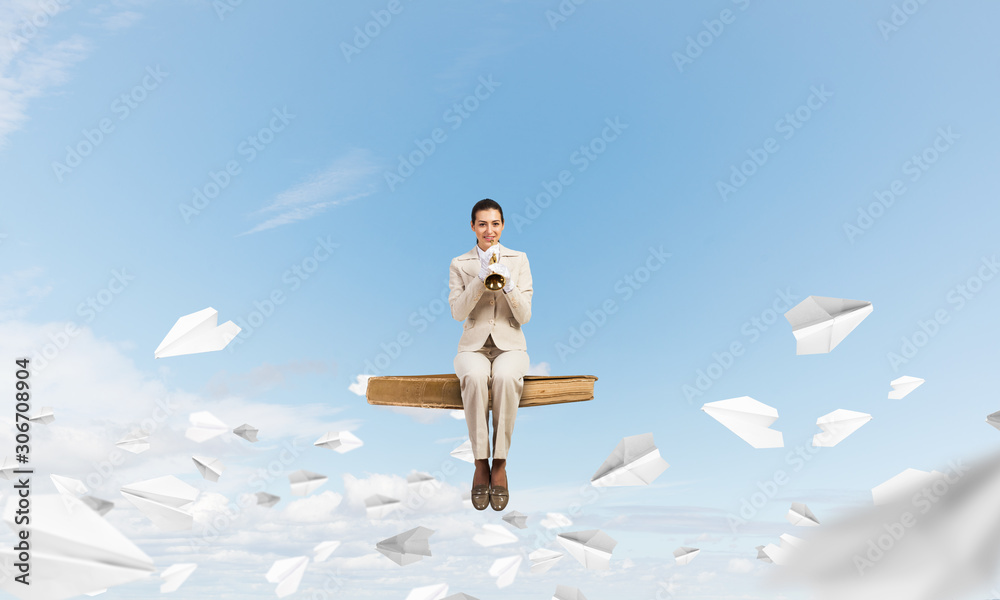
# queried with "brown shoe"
point(481, 496)
point(499, 497)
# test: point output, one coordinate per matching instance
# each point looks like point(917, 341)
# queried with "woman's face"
point(487, 227)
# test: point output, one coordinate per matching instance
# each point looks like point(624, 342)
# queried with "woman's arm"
point(461, 298)
point(519, 298)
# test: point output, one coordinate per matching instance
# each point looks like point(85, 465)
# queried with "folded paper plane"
point(175, 575)
point(378, 506)
point(781, 554)
point(68, 485)
point(102, 507)
point(247, 432)
point(748, 419)
point(544, 559)
point(407, 547)
point(43, 416)
point(197, 332)
point(204, 426)
point(592, 548)
point(464, 452)
point(505, 570)
point(135, 442)
point(634, 461)
point(565, 592)
point(820, 323)
point(516, 519)
point(305, 482)
point(339, 441)
point(428, 592)
point(901, 386)
point(684, 555)
point(323, 550)
point(164, 500)
point(210, 468)
point(800, 515)
point(287, 573)
point(494, 535)
point(267, 500)
point(837, 426)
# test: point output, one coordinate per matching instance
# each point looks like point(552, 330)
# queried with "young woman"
point(492, 354)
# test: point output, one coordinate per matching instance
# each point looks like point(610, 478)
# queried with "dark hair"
point(486, 204)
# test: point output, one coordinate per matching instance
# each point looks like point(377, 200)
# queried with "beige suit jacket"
point(486, 312)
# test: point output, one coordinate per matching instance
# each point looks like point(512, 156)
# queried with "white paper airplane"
point(634, 461)
point(460, 596)
point(407, 547)
point(901, 386)
point(210, 468)
point(418, 480)
point(7, 469)
point(780, 555)
point(100, 506)
point(287, 573)
point(163, 500)
point(903, 486)
point(195, 333)
point(555, 521)
point(994, 419)
point(761, 555)
point(592, 548)
point(748, 419)
point(544, 559)
point(267, 500)
point(837, 426)
point(305, 482)
point(204, 426)
point(323, 550)
point(494, 535)
point(516, 519)
point(247, 432)
point(685, 555)
point(175, 575)
point(565, 592)
point(136, 442)
point(73, 551)
point(464, 452)
point(43, 416)
point(68, 485)
point(339, 441)
point(800, 515)
point(428, 592)
point(378, 506)
point(505, 570)
point(95, 593)
point(820, 323)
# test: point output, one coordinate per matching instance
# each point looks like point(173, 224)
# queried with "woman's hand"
point(503, 270)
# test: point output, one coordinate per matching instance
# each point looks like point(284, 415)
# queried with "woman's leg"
point(473, 371)
point(509, 369)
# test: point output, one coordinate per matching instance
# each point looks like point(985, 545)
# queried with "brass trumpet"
point(495, 281)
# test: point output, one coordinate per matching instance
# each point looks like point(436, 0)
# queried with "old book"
point(443, 391)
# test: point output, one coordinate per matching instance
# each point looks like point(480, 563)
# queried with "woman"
point(492, 354)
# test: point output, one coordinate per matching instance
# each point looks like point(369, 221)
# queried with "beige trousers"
point(506, 381)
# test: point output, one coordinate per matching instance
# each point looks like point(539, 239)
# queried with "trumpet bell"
point(495, 282)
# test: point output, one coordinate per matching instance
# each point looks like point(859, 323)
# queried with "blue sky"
point(644, 110)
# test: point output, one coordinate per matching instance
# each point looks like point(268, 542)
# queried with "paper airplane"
point(204, 426)
point(378, 506)
point(505, 570)
point(136, 442)
point(100, 506)
point(592, 548)
point(287, 573)
point(7, 469)
point(428, 592)
point(210, 468)
point(994, 419)
point(175, 575)
point(685, 555)
point(634, 461)
point(544, 559)
point(565, 592)
point(820, 323)
point(163, 500)
point(780, 555)
point(407, 547)
point(460, 596)
point(247, 432)
point(748, 419)
point(323, 550)
point(68, 485)
point(464, 452)
point(195, 333)
point(73, 551)
point(903, 486)
point(555, 520)
point(339, 441)
point(43, 416)
point(800, 515)
point(494, 535)
point(418, 480)
point(761, 555)
point(95, 593)
point(837, 426)
point(516, 519)
point(267, 500)
point(305, 482)
point(901, 386)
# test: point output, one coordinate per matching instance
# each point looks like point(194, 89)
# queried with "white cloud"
point(313, 509)
point(740, 566)
point(541, 368)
